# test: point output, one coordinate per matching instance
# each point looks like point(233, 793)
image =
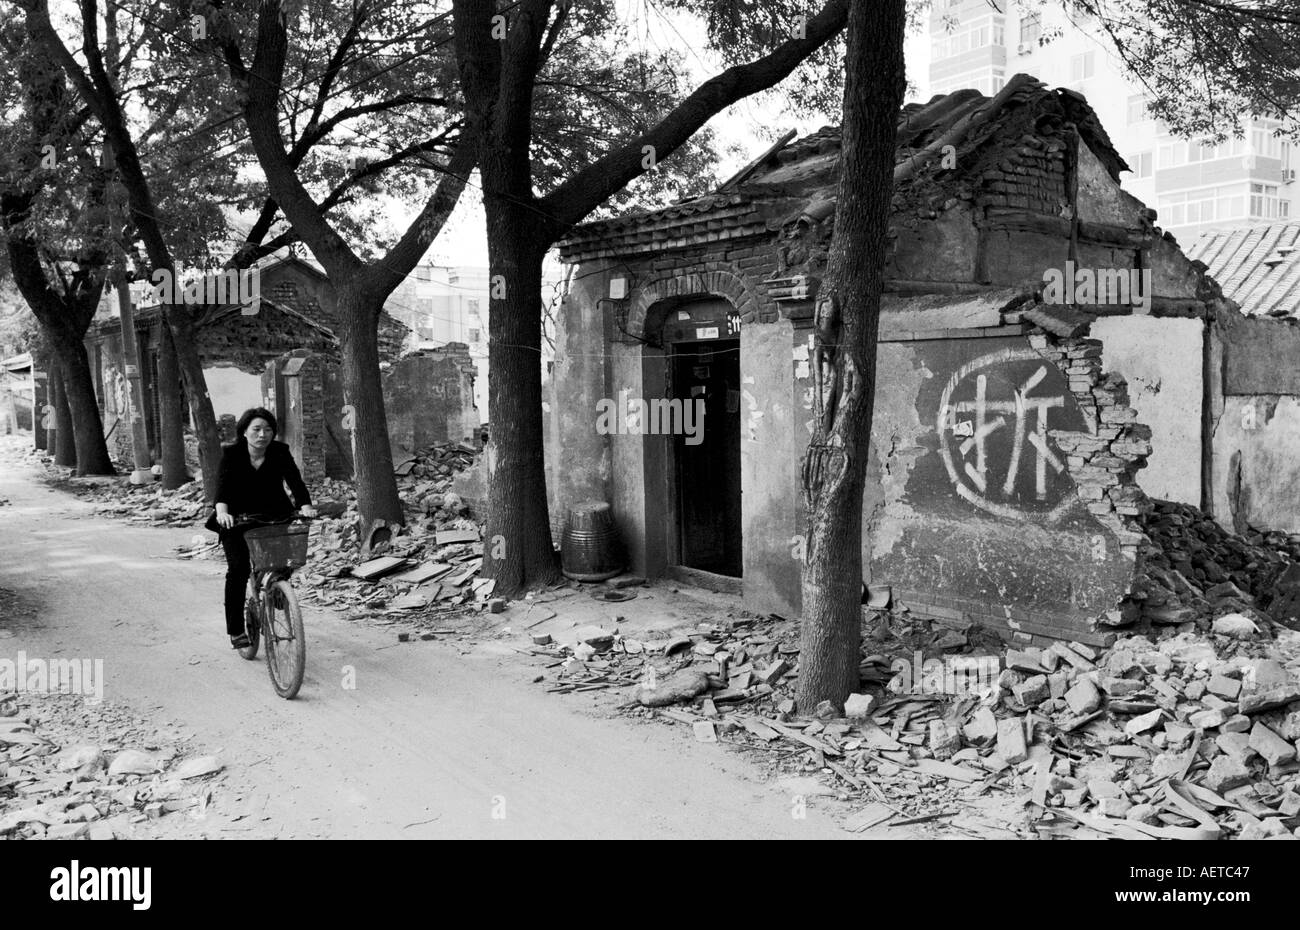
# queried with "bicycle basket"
point(280, 546)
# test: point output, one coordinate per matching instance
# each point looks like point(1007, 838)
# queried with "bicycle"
point(271, 612)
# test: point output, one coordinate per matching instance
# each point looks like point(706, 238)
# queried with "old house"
point(1046, 361)
point(295, 310)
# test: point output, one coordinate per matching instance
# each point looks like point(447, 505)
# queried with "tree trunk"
point(132, 369)
point(518, 517)
point(171, 428)
point(367, 420)
point(42, 362)
point(848, 317)
point(77, 395)
point(65, 448)
point(181, 324)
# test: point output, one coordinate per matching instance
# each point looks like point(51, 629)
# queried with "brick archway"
point(686, 286)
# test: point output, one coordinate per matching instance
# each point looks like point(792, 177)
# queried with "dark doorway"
point(708, 462)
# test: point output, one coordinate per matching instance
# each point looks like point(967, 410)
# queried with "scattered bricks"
point(1274, 749)
point(1194, 691)
point(1238, 723)
point(1215, 702)
point(1225, 774)
point(1073, 797)
point(1143, 722)
point(1114, 807)
point(1143, 813)
point(1224, 687)
point(982, 726)
point(1207, 719)
point(100, 831)
point(1267, 673)
point(1236, 745)
point(704, 731)
point(1072, 657)
point(944, 740)
point(1084, 697)
point(859, 706)
point(1102, 789)
point(1176, 733)
point(66, 831)
point(1011, 740)
point(1269, 699)
point(1120, 687)
point(497, 605)
point(1058, 683)
point(1235, 626)
point(1025, 661)
point(772, 674)
point(1289, 805)
point(1032, 691)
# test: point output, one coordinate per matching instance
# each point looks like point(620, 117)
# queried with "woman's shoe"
point(240, 642)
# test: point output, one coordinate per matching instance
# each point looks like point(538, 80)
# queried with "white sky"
point(752, 125)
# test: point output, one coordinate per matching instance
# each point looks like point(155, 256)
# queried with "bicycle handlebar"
point(257, 519)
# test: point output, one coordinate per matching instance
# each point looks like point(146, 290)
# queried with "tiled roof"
point(965, 119)
point(1257, 266)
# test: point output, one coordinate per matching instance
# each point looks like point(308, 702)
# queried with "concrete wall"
point(1161, 361)
point(1256, 423)
point(430, 398)
point(772, 442)
point(578, 460)
point(232, 390)
point(991, 534)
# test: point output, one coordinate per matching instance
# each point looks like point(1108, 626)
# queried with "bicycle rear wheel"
point(286, 643)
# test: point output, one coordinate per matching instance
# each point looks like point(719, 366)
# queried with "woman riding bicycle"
point(254, 470)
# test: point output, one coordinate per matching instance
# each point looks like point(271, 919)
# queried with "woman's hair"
point(256, 413)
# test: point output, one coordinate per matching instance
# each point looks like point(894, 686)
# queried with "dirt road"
point(433, 741)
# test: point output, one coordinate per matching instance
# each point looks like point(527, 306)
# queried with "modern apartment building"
point(1196, 187)
point(449, 303)
point(444, 303)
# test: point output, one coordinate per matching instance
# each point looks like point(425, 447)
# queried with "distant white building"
point(1195, 187)
point(449, 303)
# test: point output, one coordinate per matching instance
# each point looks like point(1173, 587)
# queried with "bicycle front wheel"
point(286, 643)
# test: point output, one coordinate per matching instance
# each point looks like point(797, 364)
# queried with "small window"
point(1082, 66)
point(1140, 163)
point(1031, 27)
point(475, 335)
point(1137, 109)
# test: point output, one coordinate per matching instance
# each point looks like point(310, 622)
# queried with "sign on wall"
point(993, 419)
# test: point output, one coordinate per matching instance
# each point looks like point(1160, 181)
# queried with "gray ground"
point(435, 738)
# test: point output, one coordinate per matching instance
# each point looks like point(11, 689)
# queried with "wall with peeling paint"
point(1160, 358)
point(1257, 453)
point(771, 445)
point(1256, 407)
point(971, 510)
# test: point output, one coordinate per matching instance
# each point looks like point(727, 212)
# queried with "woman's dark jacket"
point(245, 489)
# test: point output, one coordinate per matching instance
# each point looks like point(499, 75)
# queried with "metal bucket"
point(590, 549)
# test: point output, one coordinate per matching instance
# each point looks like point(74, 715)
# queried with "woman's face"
point(259, 434)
